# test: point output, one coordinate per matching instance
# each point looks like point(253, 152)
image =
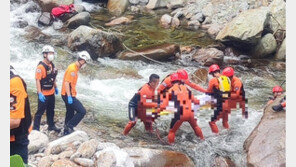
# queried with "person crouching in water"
point(183, 99)
point(141, 101)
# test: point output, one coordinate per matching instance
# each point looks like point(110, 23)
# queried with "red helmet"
point(228, 71)
point(277, 89)
point(213, 68)
point(175, 77)
point(182, 74)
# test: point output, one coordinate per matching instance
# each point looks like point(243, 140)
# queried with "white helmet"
point(47, 48)
point(84, 55)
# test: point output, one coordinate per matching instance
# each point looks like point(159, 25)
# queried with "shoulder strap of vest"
point(44, 65)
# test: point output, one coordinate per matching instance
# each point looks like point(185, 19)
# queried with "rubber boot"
point(198, 132)
point(128, 127)
point(171, 137)
point(214, 127)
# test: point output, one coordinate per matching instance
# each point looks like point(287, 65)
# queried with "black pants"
point(72, 119)
point(48, 105)
point(20, 147)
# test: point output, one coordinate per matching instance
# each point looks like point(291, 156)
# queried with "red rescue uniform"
point(142, 101)
point(183, 99)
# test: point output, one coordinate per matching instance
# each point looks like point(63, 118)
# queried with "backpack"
point(45, 19)
point(62, 9)
point(224, 86)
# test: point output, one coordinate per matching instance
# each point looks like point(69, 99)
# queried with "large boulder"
point(117, 7)
point(34, 34)
point(64, 163)
point(59, 145)
point(281, 53)
point(98, 43)
point(47, 5)
point(86, 149)
point(208, 56)
point(161, 53)
point(245, 30)
point(278, 11)
point(120, 20)
point(145, 157)
point(223, 162)
point(37, 140)
point(84, 162)
point(266, 145)
point(265, 47)
point(113, 156)
point(82, 18)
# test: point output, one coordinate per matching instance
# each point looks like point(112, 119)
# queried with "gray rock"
point(154, 4)
point(193, 24)
point(82, 18)
point(223, 162)
point(165, 20)
point(208, 10)
point(66, 154)
point(117, 7)
point(64, 163)
point(35, 34)
point(213, 30)
point(84, 162)
point(37, 140)
point(134, 2)
point(265, 47)
point(278, 11)
point(96, 42)
point(47, 5)
point(208, 56)
point(199, 17)
point(45, 162)
point(175, 4)
point(175, 22)
point(59, 145)
point(281, 53)
point(20, 24)
point(266, 145)
point(113, 157)
point(79, 8)
point(163, 52)
point(87, 149)
point(103, 145)
point(244, 31)
point(151, 157)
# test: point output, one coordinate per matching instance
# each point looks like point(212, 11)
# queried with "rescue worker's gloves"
point(56, 91)
point(41, 97)
point(277, 108)
point(70, 100)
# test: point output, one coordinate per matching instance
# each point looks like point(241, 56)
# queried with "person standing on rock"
point(140, 102)
point(20, 116)
point(183, 99)
point(46, 89)
point(237, 94)
point(219, 87)
point(69, 93)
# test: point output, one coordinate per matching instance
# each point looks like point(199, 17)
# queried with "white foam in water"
point(88, 6)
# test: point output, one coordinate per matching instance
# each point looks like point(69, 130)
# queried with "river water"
point(106, 88)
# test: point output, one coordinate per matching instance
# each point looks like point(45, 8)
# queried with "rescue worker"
point(277, 91)
point(140, 102)
point(183, 99)
point(237, 94)
point(219, 88)
point(75, 110)
point(183, 75)
point(46, 88)
point(20, 116)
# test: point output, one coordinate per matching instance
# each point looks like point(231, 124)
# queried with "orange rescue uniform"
point(17, 100)
point(183, 99)
point(237, 95)
point(70, 76)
